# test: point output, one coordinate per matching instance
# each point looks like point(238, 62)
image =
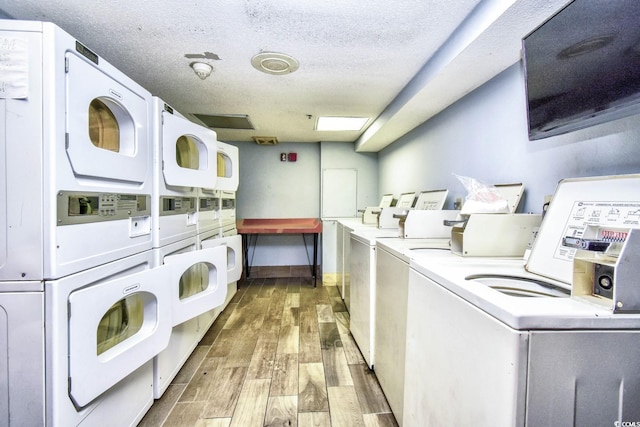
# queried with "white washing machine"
point(78, 350)
point(344, 228)
point(184, 161)
point(363, 268)
point(390, 323)
point(362, 293)
point(77, 156)
point(513, 344)
point(198, 284)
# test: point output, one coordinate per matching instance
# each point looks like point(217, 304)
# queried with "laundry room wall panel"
point(484, 135)
point(336, 155)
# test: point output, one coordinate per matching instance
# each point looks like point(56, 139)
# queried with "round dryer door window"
point(103, 127)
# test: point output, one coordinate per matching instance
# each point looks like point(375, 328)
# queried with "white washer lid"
point(431, 199)
point(513, 194)
point(612, 201)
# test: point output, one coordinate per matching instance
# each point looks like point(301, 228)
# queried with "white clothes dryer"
point(210, 198)
point(233, 245)
point(77, 157)
point(228, 212)
point(78, 350)
point(184, 161)
point(198, 284)
point(22, 354)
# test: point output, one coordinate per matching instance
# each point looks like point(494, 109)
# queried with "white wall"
point(484, 135)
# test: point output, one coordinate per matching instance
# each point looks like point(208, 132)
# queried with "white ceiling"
point(396, 61)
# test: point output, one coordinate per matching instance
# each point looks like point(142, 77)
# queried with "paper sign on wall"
point(14, 68)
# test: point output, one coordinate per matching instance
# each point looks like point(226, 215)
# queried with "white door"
point(189, 153)
point(198, 282)
point(115, 326)
point(228, 171)
point(107, 125)
point(234, 254)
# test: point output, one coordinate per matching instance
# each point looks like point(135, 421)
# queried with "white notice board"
point(339, 193)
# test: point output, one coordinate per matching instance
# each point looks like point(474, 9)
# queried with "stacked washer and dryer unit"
point(85, 302)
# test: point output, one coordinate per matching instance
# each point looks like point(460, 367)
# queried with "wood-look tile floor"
point(280, 354)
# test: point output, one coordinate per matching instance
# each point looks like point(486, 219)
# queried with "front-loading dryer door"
point(188, 153)
point(234, 254)
point(198, 282)
point(115, 327)
point(228, 172)
point(107, 125)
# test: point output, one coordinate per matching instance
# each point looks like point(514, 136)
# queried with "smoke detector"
point(202, 69)
point(274, 63)
point(265, 140)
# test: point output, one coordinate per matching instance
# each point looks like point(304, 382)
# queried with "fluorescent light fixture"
point(341, 123)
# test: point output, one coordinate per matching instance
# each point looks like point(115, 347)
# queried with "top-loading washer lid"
point(513, 194)
point(612, 201)
point(431, 199)
point(406, 200)
point(386, 201)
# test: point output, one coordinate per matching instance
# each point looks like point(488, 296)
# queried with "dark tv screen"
point(582, 66)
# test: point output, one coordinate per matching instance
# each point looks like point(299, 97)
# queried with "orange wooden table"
point(256, 226)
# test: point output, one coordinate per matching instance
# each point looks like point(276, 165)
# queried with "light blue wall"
point(484, 136)
point(270, 188)
point(336, 155)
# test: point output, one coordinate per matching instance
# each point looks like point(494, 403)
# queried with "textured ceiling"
point(397, 61)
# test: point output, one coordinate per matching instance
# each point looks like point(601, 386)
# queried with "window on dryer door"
point(224, 166)
point(194, 280)
point(123, 320)
point(111, 127)
point(104, 130)
point(187, 153)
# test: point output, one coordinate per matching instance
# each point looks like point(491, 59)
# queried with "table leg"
point(315, 258)
point(245, 249)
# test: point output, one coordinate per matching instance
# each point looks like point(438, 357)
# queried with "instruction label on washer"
point(14, 68)
point(602, 214)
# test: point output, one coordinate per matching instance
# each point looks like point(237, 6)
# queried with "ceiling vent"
point(274, 63)
point(226, 121)
point(265, 140)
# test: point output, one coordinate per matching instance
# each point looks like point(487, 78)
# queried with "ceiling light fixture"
point(202, 69)
point(274, 63)
point(341, 123)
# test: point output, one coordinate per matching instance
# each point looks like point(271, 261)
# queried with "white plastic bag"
point(482, 198)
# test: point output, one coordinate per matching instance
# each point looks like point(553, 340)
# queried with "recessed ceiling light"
point(341, 123)
point(274, 63)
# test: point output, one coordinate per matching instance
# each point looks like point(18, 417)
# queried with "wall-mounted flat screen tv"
point(582, 66)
